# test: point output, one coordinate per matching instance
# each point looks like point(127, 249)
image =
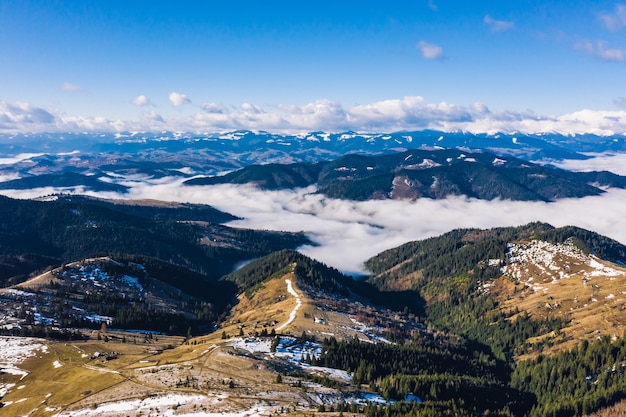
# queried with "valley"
point(112, 305)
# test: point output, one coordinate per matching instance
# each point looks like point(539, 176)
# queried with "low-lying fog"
point(350, 232)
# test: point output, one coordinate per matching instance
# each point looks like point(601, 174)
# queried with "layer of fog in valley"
point(347, 233)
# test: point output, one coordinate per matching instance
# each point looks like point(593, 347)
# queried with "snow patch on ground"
point(537, 263)
point(14, 351)
point(603, 270)
point(163, 406)
point(292, 350)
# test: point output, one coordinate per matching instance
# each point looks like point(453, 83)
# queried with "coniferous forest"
point(475, 358)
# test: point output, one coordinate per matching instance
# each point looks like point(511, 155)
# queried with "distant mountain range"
point(180, 154)
point(425, 173)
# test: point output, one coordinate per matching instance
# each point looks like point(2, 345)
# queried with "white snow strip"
point(292, 316)
point(162, 406)
point(95, 368)
point(57, 364)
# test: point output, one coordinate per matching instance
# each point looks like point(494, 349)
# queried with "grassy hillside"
point(524, 293)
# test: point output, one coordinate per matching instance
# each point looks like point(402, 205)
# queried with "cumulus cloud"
point(17, 116)
point(152, 115)
point(498, 25)
point(69, 87)
point(178, 99)
point(397, 114)
point(614, 21)
point(141, 101)
point(251, 108)
point(347, 232)
point(214, 108)
point(430, 50)
point(601, 50)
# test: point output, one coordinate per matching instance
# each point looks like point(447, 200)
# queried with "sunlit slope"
point(289, 293)
point(521, 290)
point(560, 281)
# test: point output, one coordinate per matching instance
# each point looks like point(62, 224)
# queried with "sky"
point(202, 66)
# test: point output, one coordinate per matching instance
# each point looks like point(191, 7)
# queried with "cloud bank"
point(348, 233)
point(398, 114)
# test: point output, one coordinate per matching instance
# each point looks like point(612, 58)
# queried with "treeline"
point(217, 292)
point(197, 316)
point(42, 331)
point(369, 361)
point(307, 271)
point(575, 382)
point(179, 212)
point(461, 375)
point(458, 306)
point(51, 233)
point(452, 253)
point(588, 241)
point(462, 250)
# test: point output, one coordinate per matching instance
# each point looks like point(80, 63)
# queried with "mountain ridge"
point(420, 173)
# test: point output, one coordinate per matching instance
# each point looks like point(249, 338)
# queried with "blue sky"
point(324, 65)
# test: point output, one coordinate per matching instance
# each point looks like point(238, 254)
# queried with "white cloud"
point(152, 115)
point(251, 108)
point(498, 25)
point(615, 163)
point(616, 20)
point(18, 158)
point(349, 232)
point(214, 108)
point(15, 116)
point(399, 114)
point(602, 51)
point(141, 101)
point(432, 6)
point(69, 87)
point(430, 50)
point(178, 99)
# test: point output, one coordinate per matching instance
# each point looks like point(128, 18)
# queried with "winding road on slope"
point(292, 315)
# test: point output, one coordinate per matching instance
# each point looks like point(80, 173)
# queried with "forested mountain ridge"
point(134, 293)
point(40, 234)
point(424, 173)
point(553, 279)
point(484, 244)
point(455, 340)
